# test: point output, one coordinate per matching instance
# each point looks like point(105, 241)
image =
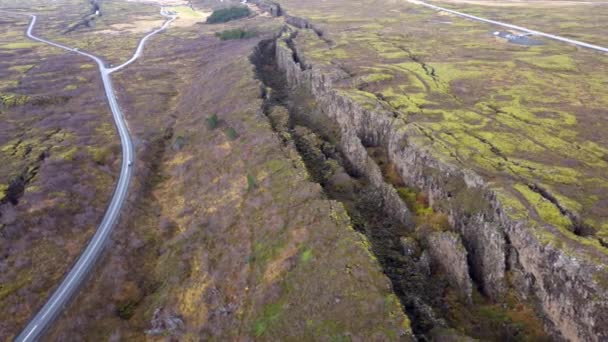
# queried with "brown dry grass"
point(233, 261)
point(51, 140)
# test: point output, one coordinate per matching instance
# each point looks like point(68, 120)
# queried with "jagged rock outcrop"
point(165, 322)
point(449, 256)
point(424, 263)
point(268, 6)
point(566, 282)
point(363, 164)
point(410, 246)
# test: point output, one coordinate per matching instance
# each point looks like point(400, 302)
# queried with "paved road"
point(71, 283)
point(518, 28)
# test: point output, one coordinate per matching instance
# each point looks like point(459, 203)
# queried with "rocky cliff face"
point(447, 254)
point(503, 252)
point(267, 6)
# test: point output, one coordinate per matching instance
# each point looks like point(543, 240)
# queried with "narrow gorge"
point(447, 240)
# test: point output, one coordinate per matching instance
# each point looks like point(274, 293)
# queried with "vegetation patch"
point(11, 100)
point(227, 14)
point(547, 211)
point(179, 142)
point(126, 310)
point(236, 34)
point(100, 154)
point(251, 182)
point(231, 133)
point(514, 319)
point(70, 87)
point(270, 314)
point(7, 289)
point(18, 45)
point(186, 11)
point(22, 68)
point(306, 255)
point(212, 122)
point(552, 63)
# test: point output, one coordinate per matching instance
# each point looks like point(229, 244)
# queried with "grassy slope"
point(227, 232)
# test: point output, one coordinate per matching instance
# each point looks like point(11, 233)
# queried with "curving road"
point(515, 27)
point(72, 281)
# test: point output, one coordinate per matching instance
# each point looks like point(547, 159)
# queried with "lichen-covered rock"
point(449, 257)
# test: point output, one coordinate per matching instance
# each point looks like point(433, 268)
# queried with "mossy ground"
point(113, 35)
point(60, 155)
point(555, 18)
point(54, 186)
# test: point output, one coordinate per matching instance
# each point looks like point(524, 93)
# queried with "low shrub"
point(227, 14)
point(212, 122)
point(251, 182)
point(178, 143)
point(235, 34)
point(426, 217)
point(126, 310)
point(231, 133)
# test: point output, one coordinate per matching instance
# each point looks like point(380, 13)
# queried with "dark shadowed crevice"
point(427, 295)
point(314, 136)
point(294, 51)
point(579, 227)
point(18, 184)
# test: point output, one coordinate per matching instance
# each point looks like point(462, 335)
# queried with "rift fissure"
point(428, 294)
point(507, 256)
point(314, 136)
